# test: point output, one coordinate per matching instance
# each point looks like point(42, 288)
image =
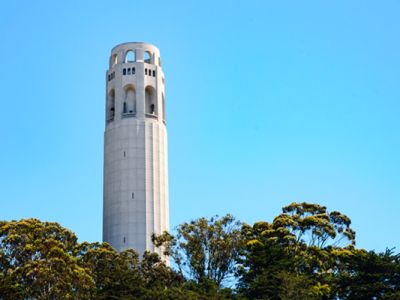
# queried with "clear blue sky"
point(268, 102)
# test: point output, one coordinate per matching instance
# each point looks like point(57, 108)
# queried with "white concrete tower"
point(135, 199)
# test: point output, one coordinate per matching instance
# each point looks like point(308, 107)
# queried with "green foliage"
point(204, 250)
point(295, 286)
point(37, 262)
point(369, 275)
point(305, 253)
point(313, 223)
point(42, 260)
point(296, 252)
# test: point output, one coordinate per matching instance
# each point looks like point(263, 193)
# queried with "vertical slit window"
point(124, 72)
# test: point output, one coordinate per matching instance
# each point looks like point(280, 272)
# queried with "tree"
point(42, 260)
point(312, 224)
point(296, 286)
point(115, 275)
point(300, 241)
point(124, 276)
point(368, 275)
point(305, 253)
point(204, 250)
point(37, 262)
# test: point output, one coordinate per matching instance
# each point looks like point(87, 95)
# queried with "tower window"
point(114, 60)
point(124, 72)
point(130, 56)
point(133, 71)
point(150, 101)
point(129, 101)
point(109, 77)
point(147, 57)
point(145, 71)
point(124, 240)
point(111, 105)
point(133, 195)
point(129, 71)
point(154, 73)
point(112, 113)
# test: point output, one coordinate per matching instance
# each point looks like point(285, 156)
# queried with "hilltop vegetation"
point(306, 252)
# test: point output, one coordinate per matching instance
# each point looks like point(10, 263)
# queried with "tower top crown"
point(135, 52)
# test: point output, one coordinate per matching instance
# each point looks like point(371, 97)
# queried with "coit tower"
point(135, 196)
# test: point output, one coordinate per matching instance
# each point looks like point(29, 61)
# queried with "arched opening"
point(151, 101)
point(111, 105)
point(130, 56)
point(163, 107)
point(147, 57)
point(159, 61)
point(130, 100)
point(114, 59)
